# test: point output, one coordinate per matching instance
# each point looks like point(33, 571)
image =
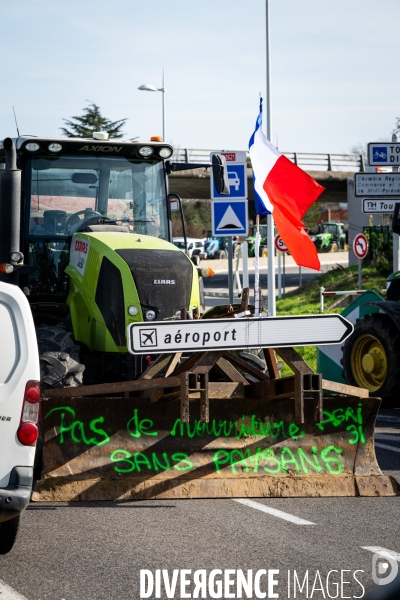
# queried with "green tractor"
point(330, 237)
point(85, 231)
point(251, 240)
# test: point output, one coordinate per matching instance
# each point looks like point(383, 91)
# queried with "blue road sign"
point(237, 177)
point(229, 217)
point(384, 154)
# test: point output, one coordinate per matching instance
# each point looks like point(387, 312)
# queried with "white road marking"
point(273, 511)
point(386, 447)
point(387, 437)
point(383, 552)
point(7, 592)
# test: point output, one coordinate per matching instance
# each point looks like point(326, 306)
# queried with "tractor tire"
point(371, 357)
point(220, 254)
point(8, 534)
point(334, 247)
point(196, 260)
point(59, 358)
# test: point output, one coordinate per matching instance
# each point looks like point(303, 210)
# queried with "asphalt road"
point(96, 551)
point(292, 275)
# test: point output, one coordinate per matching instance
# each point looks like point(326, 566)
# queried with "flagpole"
point(270, 220)
point(257, 307)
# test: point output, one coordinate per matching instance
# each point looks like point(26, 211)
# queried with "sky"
point(335, 75)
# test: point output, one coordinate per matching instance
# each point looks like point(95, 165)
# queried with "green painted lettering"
point(221, 457)
point(312, 462)
point(184, 464)
point(333, 464)
point(125, 458)
point(288, 458)
point(137, 428)
point(269, 456)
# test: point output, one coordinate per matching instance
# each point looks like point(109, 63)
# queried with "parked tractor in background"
point(251, 240)
point(330, 237)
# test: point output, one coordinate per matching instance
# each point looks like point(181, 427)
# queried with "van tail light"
point(28, 430)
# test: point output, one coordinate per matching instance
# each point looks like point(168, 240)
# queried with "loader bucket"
point(253, 445)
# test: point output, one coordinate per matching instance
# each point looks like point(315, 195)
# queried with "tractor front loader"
point(142, 398)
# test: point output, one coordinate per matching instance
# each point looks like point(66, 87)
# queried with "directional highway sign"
point(378, 205)
point(218, 334)
point(377, 184)
point(384, 154)
point(229, 217)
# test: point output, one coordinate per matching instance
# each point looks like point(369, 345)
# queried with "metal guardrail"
point(309, 161)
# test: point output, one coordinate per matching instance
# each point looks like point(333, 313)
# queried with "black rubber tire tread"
point(220, 254)
point(59, 357)
point(385, 330)
point(8, 534)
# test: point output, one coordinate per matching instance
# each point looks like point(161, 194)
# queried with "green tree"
point(92, 120)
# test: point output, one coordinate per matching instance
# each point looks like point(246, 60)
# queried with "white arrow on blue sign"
point(229, 217)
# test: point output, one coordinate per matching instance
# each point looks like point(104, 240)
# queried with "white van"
point(19, 409)
point(195, 247)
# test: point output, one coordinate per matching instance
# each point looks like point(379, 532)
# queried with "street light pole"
point(163, 106)
point(148, 87)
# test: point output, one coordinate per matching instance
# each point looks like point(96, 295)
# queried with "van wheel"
point(8, 534)
point(60, 365)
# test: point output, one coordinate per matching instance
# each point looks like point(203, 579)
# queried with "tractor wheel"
point(8, 534)
point(220, 254)
point(371, 356)
point(334, 247)
point(59, 358)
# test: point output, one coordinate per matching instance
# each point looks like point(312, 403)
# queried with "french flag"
point(286, 191)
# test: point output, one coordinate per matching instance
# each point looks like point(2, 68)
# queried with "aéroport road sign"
point(231, 334)
point(384, 154)
point(377, 184)
point(378, 205)
point(360, 245)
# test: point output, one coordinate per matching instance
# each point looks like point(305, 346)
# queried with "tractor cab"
point(70, 185)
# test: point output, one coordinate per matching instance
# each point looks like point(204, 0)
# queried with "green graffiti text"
point(76, 428)
point(127, 462)
point(283, 460)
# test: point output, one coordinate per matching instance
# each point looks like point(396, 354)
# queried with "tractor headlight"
point(54, 147)
point(150, 315)
point(165, 152)
point(16, 257)
point(146, 151)
point(133, 310)
point(32, 147)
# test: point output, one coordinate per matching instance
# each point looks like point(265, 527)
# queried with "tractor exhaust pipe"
point(10, 208)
